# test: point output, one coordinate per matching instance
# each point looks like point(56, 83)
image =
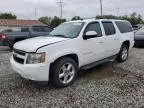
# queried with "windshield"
point(68, 30)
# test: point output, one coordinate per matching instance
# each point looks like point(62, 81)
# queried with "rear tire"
point(64, 72)
point(123, 54)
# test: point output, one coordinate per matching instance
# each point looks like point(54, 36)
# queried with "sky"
point(33, 9)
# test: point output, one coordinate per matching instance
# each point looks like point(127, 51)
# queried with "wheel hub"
point(124, 54)
point(66, 73)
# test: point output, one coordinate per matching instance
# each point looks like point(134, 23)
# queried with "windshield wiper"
point(59, 35)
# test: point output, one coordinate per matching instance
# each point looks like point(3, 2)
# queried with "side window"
point(13, 29)
point(41, 29)
point(47, 29)
point(109, 28)
point(38, 29)
point(124, 27)
point(24, 29)
point(8, 30)
point(94, 27)
point(16, 29)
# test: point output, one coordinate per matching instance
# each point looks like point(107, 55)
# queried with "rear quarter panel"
point(128, 36)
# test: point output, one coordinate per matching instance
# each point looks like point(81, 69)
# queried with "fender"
point(57, 55)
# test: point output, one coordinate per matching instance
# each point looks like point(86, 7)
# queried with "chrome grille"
point(19, 56)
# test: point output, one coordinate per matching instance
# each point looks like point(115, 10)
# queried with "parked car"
point(71, 46)
point(139, 37)
point(9, 37)
point(135, 27)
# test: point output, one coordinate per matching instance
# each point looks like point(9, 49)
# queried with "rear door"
point(111, 39)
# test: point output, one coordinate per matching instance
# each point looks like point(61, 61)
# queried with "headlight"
point(34, 58)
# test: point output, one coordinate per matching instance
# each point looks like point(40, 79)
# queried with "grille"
point(19, 60)
point(19, 56)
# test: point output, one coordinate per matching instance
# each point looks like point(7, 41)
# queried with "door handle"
point(115, 39)
point(101, 42)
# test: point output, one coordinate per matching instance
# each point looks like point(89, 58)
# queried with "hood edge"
point(49, 44)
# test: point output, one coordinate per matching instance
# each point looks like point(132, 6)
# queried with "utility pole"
point(118, 10)
point(35, 13)
point(101, 6)
point(61, 8)
point(36, 8)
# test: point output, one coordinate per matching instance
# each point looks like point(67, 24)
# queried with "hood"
point(31, 45)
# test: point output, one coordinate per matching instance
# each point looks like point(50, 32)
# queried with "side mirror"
point(90, 34)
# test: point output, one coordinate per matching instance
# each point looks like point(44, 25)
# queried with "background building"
point(9, 24)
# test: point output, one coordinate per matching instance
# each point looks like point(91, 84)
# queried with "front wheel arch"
point(73, 56)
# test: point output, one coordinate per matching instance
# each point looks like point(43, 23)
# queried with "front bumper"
point(35, 72)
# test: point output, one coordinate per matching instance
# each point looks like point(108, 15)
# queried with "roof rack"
point(88, 18)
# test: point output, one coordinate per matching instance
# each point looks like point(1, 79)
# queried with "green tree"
point(76, 18)
point(53, 22)
point(7, 16)
point(107, 17)
point(46, 20)
point(56, 21)
point(134, 18)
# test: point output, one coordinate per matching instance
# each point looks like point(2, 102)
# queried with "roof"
point(11, 22)
point(93, 19)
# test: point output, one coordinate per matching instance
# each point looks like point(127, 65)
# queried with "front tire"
point(123, 54)
point(64, 72)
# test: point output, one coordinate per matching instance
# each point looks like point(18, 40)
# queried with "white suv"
point(72, 46)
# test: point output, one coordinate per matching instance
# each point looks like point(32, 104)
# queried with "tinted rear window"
point(124, 27)
point(109, 28)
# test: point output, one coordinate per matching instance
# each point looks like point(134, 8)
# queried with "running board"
point(86, 67)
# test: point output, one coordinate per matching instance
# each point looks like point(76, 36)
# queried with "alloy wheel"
point(66, 73)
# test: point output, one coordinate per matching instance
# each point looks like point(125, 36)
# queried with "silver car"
point(139, 37)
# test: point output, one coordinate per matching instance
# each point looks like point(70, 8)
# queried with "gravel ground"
point(118, 85)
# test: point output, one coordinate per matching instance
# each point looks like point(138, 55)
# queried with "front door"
point(93, 49)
